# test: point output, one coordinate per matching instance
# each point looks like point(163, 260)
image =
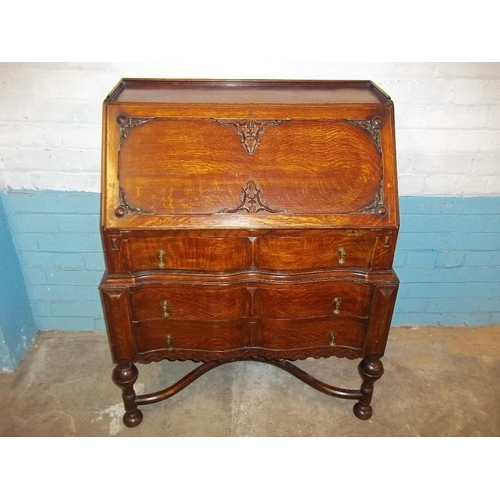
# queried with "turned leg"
point(370, 369)
point(125, 374)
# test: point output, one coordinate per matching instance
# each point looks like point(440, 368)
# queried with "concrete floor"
point(438, 382)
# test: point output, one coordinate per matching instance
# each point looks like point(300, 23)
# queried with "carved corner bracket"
point(373, 126)
point(377, 207)
point(251, 202)
point(124, 207)
point(127, 124)
point(250, 131)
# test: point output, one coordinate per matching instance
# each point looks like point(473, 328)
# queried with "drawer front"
point(188, 253)
point(311, 333)
point(338, 299)
point(172, 302)
point(175, 336)
point(314, 252)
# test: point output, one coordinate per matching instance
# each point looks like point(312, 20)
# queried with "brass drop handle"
point(337, 301)
point(331, 336)
point(164, 307)
point(168, 341)
point(161, 256)
point(341, 251)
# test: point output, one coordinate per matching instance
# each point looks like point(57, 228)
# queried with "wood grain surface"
point(188, 253)
point(189, 302)
point(200, 167)
point(193, 335)
point(314, 299)
point(289, 334)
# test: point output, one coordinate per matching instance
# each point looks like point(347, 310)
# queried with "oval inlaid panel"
point(206, 166)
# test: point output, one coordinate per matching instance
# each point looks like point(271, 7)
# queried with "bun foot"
point(132, 418)
point(363, 412)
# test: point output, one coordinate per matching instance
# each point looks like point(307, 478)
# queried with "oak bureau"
point(248, 220)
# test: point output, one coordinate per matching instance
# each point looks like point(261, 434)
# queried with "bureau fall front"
point(248, 220)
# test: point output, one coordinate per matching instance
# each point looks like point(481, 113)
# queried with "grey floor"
point(438, 382)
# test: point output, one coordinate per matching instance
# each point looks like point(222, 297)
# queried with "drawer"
point(188, 253)
point(172, 302)
point(173, 336)
point(315, 251)
point(337, 299)
point(311, 333)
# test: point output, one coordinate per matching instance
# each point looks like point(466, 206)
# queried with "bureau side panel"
point(381, 309)
point(119, 323)
point(388, 144)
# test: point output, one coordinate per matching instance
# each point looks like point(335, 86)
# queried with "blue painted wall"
point(448, 259)
point(59, 244)
point(17, 324)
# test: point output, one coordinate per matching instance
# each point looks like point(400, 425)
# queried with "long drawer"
point(272, 339)
point(166, 302)
point(273, 251)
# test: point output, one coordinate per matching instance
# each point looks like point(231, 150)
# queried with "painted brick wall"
point(17, 324)
point(447, 258)
point(448, 261)
point(57, 236)
point(447, 118)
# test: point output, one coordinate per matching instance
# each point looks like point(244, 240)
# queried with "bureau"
point(248, 220)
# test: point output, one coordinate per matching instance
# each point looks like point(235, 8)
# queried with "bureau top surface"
point(247, 91)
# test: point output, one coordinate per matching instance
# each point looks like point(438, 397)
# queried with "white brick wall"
point(447, 118)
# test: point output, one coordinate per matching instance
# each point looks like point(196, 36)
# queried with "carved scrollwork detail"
point(250, 131)
point(377, 206)
point(124, 207)
point(251, 202)
point(127, 124)
point(373, 126)
point(249, 353)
